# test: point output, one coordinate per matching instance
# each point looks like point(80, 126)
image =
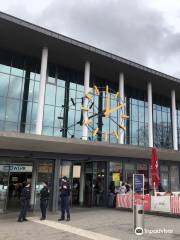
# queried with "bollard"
point(139, 216)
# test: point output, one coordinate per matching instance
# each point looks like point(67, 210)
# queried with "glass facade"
point(19, 92)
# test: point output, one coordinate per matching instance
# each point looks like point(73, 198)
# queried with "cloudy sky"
point(145, 31)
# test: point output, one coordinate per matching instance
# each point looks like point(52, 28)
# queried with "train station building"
point(70, 109)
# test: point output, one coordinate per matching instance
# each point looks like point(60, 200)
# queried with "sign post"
point(138, 209)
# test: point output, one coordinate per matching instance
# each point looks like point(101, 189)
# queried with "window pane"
point(34, 114)
point(48, 116)
point(28, 115)
point(15, 87)
point(10, 126)
point(36, 92)
point(31, 88)
point(17, 72)
point(50, 94)
point(134, 112)
point(2, 108)
point(4, 68)
point(2, 125)
point(60, 96)
point(47, 131)
point(12, 112)
point(57, 132)
point(4, 81)
point(60, 83)
point(56, 120)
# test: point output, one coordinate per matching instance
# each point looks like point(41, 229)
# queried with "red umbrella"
point(154, 169)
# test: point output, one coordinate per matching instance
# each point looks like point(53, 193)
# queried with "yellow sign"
point(116, 179)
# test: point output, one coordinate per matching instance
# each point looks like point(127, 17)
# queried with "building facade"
point(44, 78)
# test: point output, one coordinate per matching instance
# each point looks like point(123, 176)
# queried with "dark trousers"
point(23, 210)
point(43, 206)
point(65, 206)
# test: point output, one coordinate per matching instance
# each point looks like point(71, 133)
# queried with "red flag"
point(154, 169)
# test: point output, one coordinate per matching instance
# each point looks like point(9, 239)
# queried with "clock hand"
point(116, 108)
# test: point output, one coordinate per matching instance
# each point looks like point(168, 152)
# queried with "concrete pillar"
point(150, 116)
point(121, 91)
point(86, 90)
point(82, 185)
point(174, 119)
point(33, 185)
point(42, 88)
point(56, 185)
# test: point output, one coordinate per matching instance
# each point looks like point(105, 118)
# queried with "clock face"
point(102, 111)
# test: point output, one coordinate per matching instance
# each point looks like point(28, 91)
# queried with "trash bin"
point(139, 216)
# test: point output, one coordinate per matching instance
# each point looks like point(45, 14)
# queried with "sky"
point(144, 31)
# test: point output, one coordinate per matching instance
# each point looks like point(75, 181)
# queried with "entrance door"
point(73, 173)
point(95, 184)
point(4, 182)
point(76, 184)
point(18, 175)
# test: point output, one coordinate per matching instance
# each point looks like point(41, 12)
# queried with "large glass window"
point(164, 176)
point(14, 81)
point(137, 124)
point(175, 178)
point(162, 126)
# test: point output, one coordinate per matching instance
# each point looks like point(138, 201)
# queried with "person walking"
point(44, 198)
point(24, 201)
point(64, 195)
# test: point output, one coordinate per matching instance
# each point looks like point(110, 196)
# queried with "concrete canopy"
point(33, 143)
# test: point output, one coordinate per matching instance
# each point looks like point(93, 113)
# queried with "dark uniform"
point(24, 201)
point(44, 193)
point(64, 194)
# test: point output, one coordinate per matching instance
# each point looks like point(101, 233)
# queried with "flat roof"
point(58, 145)
point(27, 38)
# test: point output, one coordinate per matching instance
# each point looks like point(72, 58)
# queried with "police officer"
point(24, 201)
point(44, 197)
point(64, 194)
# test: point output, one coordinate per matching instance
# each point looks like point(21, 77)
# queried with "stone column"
point(121, 92)
point(42, 88)
point(174, 119)
point(82, 183)
point(86, 90)
point(150, 116)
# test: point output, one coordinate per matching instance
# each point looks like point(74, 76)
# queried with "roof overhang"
point(29, 39)
point(45, 144)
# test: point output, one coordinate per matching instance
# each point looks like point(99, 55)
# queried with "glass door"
point(95, 184)
point(4, 183)
point(99, 184)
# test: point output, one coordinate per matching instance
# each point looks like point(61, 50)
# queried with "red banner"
point(154, 169)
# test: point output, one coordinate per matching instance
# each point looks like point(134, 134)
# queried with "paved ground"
point(96, 224)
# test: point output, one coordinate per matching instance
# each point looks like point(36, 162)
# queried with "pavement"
point(87, 223)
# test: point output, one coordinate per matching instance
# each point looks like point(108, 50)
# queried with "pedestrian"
point(24, 201)
point(122, 189)
point(44, 198)
point(64, 195)
point(111, 202)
